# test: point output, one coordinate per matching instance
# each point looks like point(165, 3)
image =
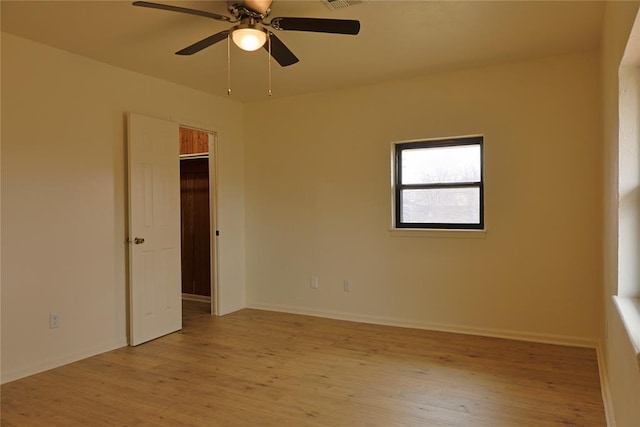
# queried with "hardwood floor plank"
point(262, 368)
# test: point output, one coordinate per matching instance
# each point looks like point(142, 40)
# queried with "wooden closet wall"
point(195, 214)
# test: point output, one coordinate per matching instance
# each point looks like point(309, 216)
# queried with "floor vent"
point(340, 4)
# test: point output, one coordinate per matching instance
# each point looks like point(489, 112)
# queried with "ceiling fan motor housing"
point(254, 9)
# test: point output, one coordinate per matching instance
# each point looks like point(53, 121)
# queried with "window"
point(439, 184)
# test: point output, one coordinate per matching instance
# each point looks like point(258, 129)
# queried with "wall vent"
point(340, 4)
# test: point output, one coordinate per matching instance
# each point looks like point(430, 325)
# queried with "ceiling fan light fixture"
point(249, 37)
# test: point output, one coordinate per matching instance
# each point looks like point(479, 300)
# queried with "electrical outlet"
point(314, 282)
point(54, 320)
point(346, 284)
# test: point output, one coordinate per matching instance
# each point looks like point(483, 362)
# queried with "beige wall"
point(318, 203)
point(621, 374)
point(64, 192)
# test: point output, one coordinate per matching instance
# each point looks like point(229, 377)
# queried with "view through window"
point(439, 184)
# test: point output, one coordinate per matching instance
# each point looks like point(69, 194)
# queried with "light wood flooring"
point(257, 368)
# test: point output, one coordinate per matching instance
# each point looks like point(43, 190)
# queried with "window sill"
point(438, 233)
point(629, 310)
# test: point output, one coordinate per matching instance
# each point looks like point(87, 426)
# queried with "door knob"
point(138, 240)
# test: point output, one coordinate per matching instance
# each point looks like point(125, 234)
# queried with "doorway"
point(197, 221)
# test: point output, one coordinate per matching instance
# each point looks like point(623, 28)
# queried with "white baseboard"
point(193, 297)
point(458, 329)
point(223, 311)
point(45, 365)
point(604, 387)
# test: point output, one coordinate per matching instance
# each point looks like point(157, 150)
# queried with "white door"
point(155, 306)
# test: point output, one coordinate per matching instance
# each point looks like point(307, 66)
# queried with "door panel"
point(154, 227)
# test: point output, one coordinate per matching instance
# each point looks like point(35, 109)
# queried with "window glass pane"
point(443, 205)
point(441, 164)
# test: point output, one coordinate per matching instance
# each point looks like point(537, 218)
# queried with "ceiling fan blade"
point(280, 52)
point(317, 25)
point(182, 10)
point(204, 43)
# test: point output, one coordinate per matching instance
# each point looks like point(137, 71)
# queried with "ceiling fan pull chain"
point(229, 64)
point(269, 41)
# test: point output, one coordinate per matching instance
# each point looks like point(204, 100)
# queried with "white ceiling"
point(398, 39)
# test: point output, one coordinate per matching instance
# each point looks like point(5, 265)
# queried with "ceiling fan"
point(250, 32)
